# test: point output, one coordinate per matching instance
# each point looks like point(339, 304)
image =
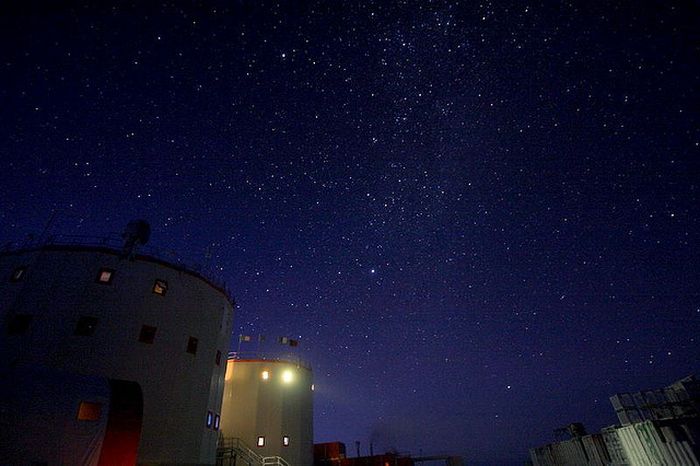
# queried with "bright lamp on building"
point(287, 376)
point(265, 375)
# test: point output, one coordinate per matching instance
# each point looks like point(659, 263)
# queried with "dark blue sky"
point(480, 218)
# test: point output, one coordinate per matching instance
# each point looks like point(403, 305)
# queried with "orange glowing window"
point(160, 287)
point(89, 411)
point(261, 441)
point(105, 276)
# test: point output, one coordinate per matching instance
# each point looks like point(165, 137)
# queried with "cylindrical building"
point(91, 310)
point(268, 404)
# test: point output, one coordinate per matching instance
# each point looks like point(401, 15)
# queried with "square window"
point(192, 345)
point(86, 326)
point(18, 274)
point(218, 358)
point(217, 421)
point(18, 324)
point(89, 411)
point(285, 441)
point(160, 287)
point(105, 276)
point(261, 441)
point(148, 334)
point(210, 419)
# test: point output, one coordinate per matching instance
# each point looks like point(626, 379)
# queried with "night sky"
point(480, 219)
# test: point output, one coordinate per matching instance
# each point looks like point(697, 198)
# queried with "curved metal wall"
point(59, 290)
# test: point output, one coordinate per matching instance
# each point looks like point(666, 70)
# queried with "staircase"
point(233, 451)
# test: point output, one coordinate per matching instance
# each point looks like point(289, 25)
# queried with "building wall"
point(326, 453)
point(678, 400)
point(32, 397)
point(660, 443)
point(179, 388)
point(271, 408)
point(589, 450)
point(615, 449)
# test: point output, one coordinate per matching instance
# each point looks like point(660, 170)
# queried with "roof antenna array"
point(136, 233)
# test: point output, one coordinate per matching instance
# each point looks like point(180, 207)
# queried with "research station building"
point(268, 409)
point(154, 331)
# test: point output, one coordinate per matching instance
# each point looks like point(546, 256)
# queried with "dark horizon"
point(479, 220)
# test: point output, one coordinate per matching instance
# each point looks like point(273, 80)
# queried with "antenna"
point(47, 227)
point(136, 233)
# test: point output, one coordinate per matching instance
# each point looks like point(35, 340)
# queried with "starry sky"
point(480, 219)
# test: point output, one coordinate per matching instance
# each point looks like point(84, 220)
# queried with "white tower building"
point(268, 405)
point(98, 311)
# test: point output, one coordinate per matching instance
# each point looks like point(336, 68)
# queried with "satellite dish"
point(139, 230)
point(136, 233)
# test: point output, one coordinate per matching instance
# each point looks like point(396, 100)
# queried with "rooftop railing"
point(273, 357)
point(115, 243)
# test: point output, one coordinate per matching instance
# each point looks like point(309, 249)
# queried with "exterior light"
point(313, 387)
point(265, 375)
point(287, 376)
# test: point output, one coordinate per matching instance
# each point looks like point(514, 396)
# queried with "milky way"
point(480, 220)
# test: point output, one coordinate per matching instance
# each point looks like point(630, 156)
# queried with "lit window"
point(287, 376)
point(105, 276)
point(18, 274)
point(210, 418)
point(86, 326)
point(148, 334)
point(160, 287)
point(218, 358)
point(285, 441)
point(261, 441)
point(313, 387)
point(89, 411)
point(265, 375)
point(217, 421)
point(192, 345)
point(18, 324)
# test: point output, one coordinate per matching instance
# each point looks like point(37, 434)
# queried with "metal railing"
point(255, 355)
point(274, 461)
point(233, 448)
point(238, 445)
point(115, 243)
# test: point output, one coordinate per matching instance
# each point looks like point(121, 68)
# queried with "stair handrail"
point(239, 445)
point(274, 461)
